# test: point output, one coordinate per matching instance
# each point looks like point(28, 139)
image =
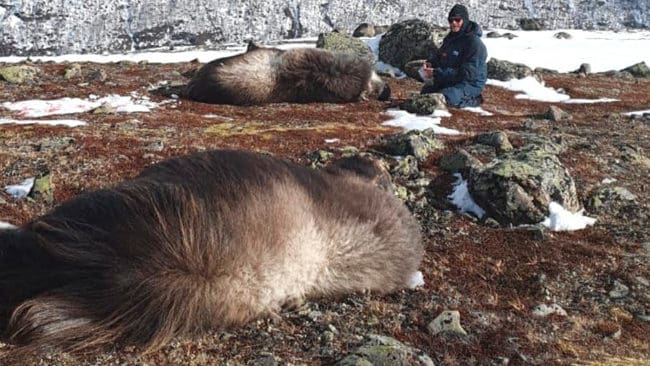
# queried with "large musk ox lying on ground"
point(271, 75)
point(205, 241)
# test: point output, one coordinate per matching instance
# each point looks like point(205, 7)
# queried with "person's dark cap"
point(459, 11)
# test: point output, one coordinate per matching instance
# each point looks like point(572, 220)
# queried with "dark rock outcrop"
point(408, 40)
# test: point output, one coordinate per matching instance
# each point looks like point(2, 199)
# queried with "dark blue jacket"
point(461, 68)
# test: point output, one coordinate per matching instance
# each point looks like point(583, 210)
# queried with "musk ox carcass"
point(204, 241)
point(270, 75)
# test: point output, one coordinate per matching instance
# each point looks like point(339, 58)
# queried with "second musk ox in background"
point(302, 75)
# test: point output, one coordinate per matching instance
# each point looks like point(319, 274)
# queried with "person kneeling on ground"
point(458, 70)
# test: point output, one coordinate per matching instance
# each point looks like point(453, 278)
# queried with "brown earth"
point(493, 276)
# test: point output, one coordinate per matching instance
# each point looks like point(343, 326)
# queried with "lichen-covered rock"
point(19, 74)
point(459, 162)
point(335, 41)
point(417, 143)
point(562, 35)
point(43, 187)
point(506, 70)
point(364, 30)
point(498, 140)
point(369, 30)
point(610, 198)
point(380, 350)
point(557, 114)
point(447, 321)
point(407, 167)
point(517, 187)
point(409, 40)
point(530, 24)
point(425, 104)
point(639, 70)
point(72, 71)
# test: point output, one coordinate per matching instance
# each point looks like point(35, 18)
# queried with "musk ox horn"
point(209, 240)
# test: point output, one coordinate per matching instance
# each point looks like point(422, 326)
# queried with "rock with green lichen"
point(459, 162)
point(517, 187)
point(43, 187)
point(639, 70)
point(380, 350)
point(610, 198)
point(73, 71)
point(19, 74)
point(417, 143)
point(335, 41)
point(425, 104)
point(498, 140)
point(407, 167)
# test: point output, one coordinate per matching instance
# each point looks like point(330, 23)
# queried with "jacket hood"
point(473, 28)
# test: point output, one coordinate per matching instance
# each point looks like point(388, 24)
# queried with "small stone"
point(319, 157)
point(155, 146)
point(584, 69)
point(459, 162)
point(74, 71)
point(447, 321)
point(619, 290)
point(425, 104)
point(499, 140)
point(105, 109)
point(99, 75)
point(326, 338)
point(556, 114)
point(43, 187)
point(562, 35)
point(490, 222)
point(347, 151)
point(620, 314)
point(544, 310)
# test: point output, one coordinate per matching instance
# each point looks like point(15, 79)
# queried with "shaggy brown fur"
point(271, 75)
point(209, 240)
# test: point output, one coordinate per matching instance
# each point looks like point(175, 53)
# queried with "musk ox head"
point(302, 75)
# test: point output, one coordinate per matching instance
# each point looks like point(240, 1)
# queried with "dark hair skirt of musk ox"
point(303, 75)
point(205, 241)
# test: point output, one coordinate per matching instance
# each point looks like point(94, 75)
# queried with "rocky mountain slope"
point(31, 27)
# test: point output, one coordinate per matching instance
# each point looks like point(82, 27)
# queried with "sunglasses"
point(455, 20)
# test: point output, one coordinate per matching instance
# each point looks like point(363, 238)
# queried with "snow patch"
point(47, 122)
point(561, 219)
point(40, 108)
point(410, 121)
point(416, 280)
point(461, 198)
point(20, 190)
